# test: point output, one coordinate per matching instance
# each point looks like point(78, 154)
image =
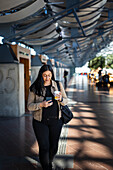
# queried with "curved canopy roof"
point(71, 31)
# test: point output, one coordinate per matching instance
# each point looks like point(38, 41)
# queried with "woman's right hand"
point(46, 103)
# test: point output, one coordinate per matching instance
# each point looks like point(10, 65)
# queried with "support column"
point(12, 102)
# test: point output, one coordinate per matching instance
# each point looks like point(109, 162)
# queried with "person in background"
point(100, 74)
point(65, 78)
point(47, 120)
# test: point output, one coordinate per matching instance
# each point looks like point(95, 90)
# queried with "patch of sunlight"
point(81, 103)
point(35, 147)
point(70, 101)
point(101, 91)
point(80, 90)
point(109, 95)
point(85, 108)
point(97, 149)
point(71, 90)
point(111, 90)
point(74, 90)
point(1, 38)
point(87, 114)
point(31, 160)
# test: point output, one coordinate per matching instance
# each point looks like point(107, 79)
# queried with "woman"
point(47, 121)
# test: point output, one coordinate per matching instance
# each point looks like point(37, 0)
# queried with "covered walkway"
point(87, 139)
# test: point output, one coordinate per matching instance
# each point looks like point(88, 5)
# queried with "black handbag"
point(67, 115)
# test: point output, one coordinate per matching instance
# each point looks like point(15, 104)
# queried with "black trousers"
point(47, 134)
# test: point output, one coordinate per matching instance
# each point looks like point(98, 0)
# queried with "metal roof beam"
point(76, 16)
point(61, 42)
point(40, 25)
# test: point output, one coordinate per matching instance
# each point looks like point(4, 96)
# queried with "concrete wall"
point(34, 72)
point(54, 70)
point(57, 74)
point(12, 101)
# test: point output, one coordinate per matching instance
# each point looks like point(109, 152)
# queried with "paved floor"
point(89, 136)
point(90, 133)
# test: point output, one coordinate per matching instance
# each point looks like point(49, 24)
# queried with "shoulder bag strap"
point(58, 84)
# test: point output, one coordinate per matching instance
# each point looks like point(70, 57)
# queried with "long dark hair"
point(38, 84)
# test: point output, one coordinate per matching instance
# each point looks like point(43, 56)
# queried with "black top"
point(51, 111)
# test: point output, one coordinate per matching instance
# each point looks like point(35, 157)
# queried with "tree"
point(97, 62)
point(109, 59)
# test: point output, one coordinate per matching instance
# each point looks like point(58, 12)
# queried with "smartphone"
point(49, 98)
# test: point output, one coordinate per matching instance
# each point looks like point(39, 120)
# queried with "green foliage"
point(97, 62)
point(100, 62)
point(109, 59)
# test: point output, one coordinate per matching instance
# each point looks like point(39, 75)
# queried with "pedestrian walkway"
point(86, 143)
point(90, 133)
